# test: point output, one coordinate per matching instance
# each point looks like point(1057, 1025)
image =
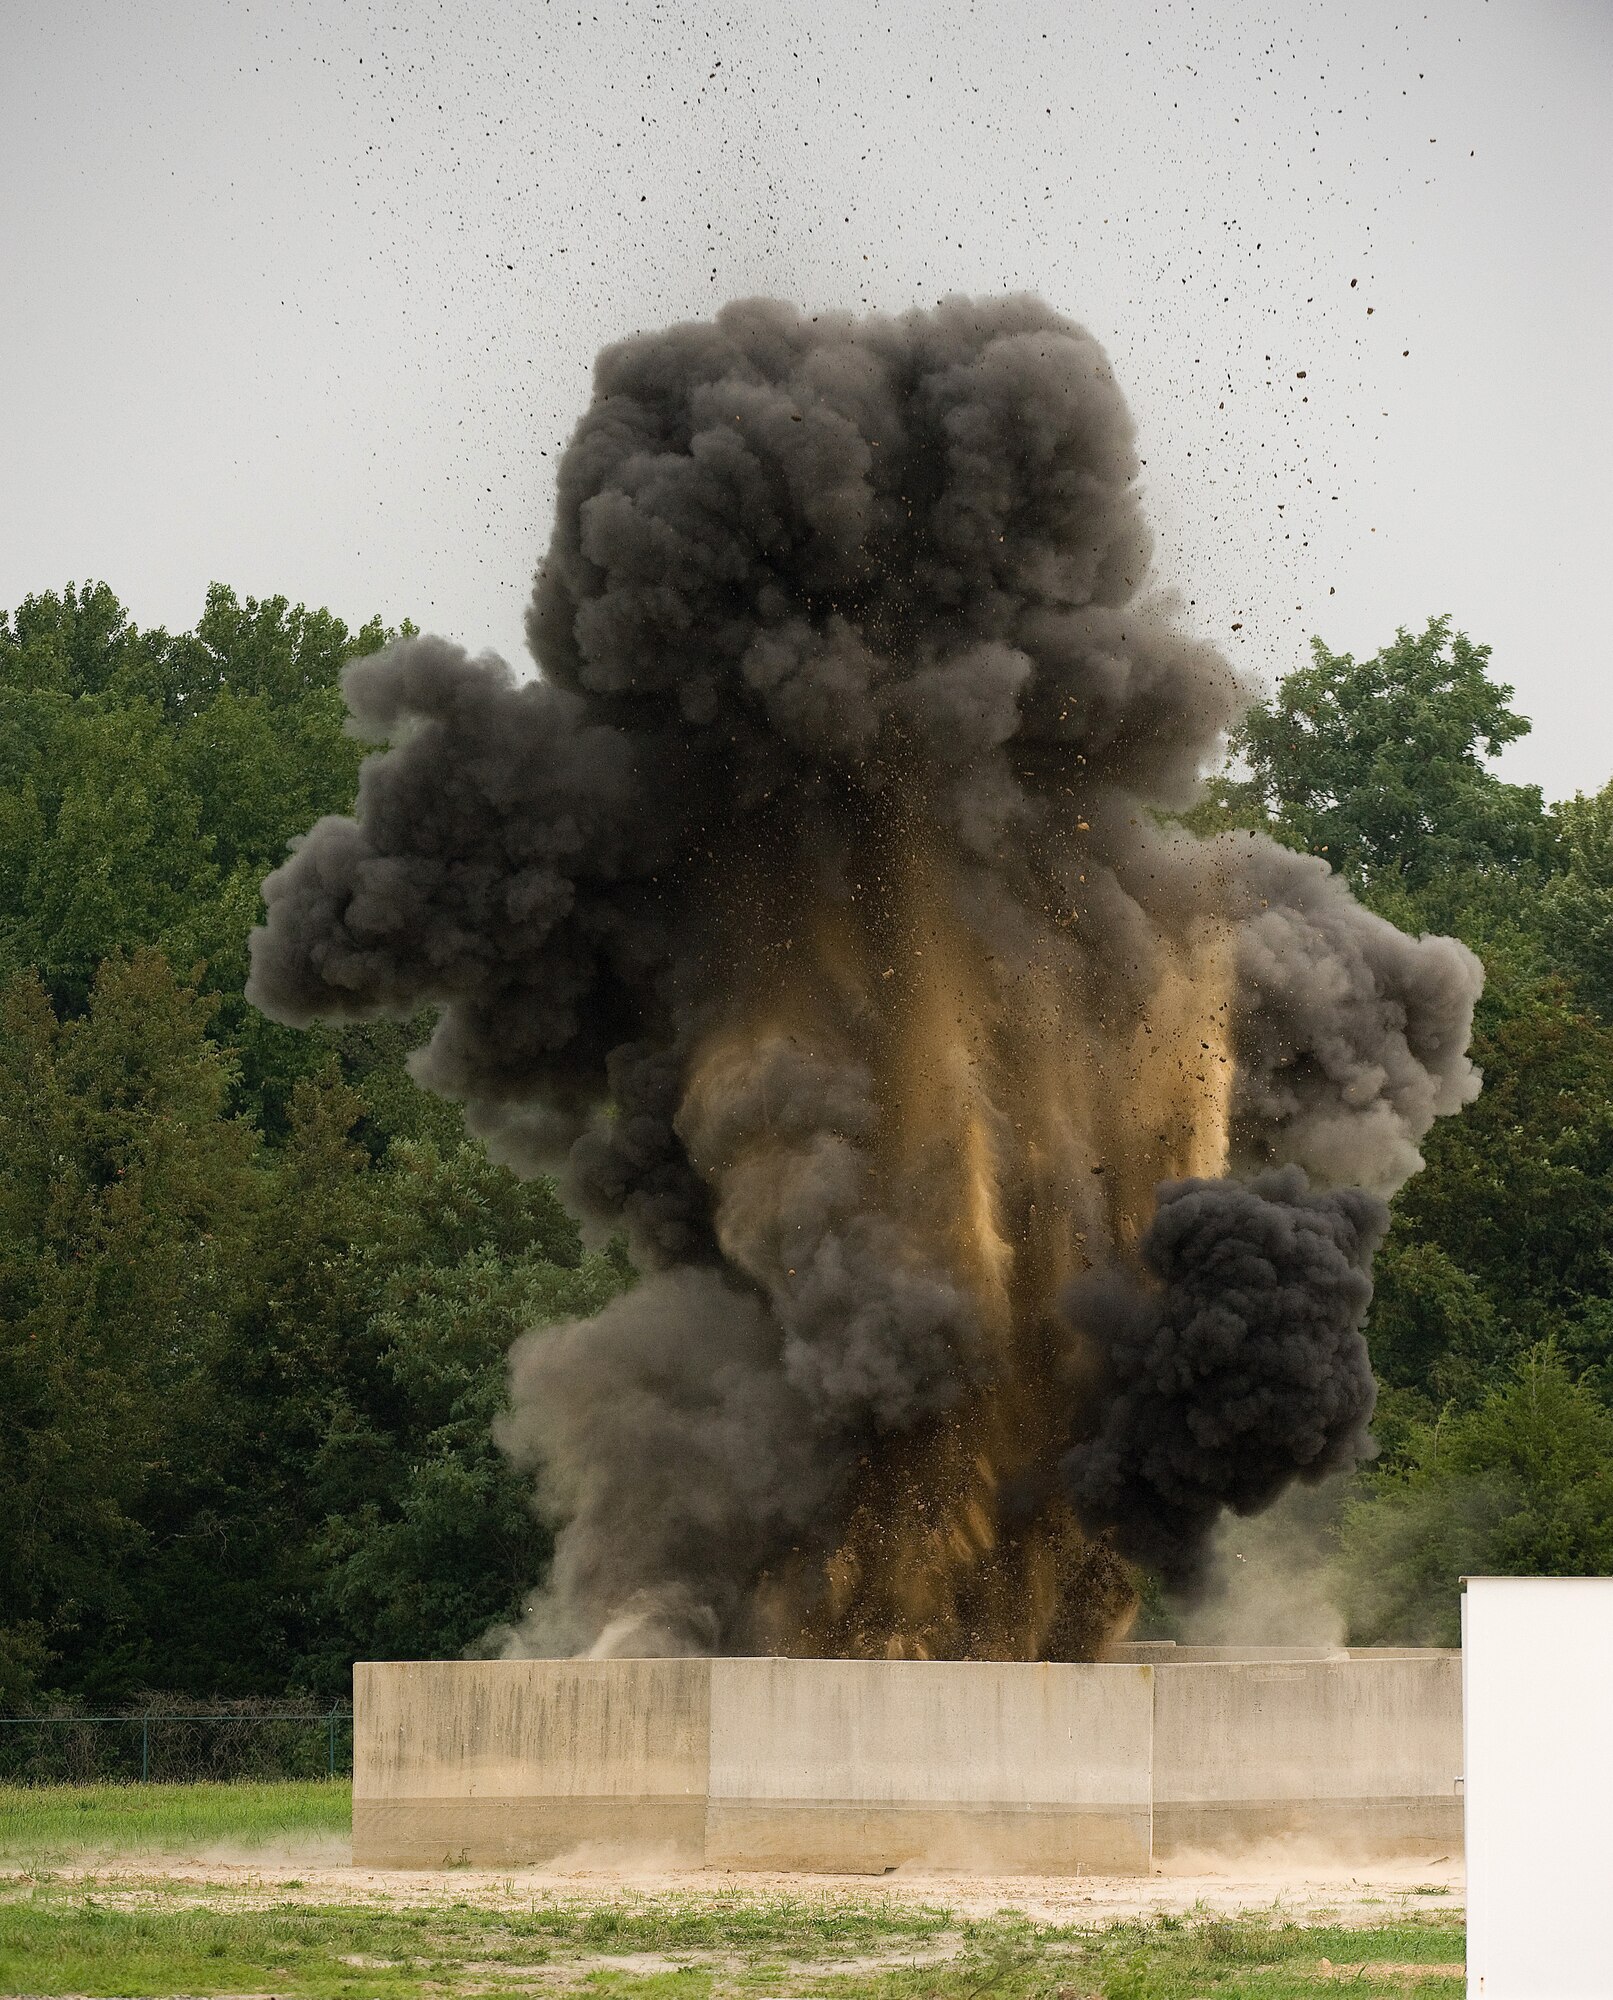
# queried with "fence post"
point(145, 1748)
point(332, 1765)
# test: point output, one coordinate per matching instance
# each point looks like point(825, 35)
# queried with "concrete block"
point(495, 1762)
point(1359, 1756)
point(861, 1765)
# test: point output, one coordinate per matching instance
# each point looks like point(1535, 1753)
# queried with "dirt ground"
point(1305, 1889)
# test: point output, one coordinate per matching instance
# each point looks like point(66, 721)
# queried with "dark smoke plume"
point(811, 916)
point(1242, 1368)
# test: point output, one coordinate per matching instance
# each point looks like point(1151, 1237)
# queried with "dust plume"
point(814, 916)
point(1270, 1579)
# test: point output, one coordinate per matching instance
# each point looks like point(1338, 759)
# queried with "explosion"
point(1003, 1163)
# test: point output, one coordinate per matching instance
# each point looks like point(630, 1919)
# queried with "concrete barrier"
point(858, 1766)
point(493, 1763)
point(1357, 1757)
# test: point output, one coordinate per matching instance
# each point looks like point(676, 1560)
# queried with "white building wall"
point(1538, 1769)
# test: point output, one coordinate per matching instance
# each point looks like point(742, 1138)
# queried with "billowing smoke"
point(1235, 1366)
point(814, 915)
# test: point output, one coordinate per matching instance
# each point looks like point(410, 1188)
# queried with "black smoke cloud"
point(1240, 1369)
point(821, 591)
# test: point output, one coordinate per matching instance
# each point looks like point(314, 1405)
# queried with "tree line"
point(256, 1288)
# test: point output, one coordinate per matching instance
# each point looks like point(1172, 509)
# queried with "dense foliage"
point(256, 1289)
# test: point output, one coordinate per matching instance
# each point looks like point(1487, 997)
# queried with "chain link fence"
point(174, 1743)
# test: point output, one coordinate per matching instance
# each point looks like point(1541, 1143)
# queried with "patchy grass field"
point(56, 1939)
point(55, 1823)
point(98, 1899)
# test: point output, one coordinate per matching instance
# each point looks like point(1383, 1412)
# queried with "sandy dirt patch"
point(1294, 1888)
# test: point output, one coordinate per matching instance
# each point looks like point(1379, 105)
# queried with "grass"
point(50, 1823)
point(128, 1932)
point(735, 1921)
point(56, 1939)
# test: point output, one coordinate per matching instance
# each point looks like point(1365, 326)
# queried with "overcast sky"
point(303, 296)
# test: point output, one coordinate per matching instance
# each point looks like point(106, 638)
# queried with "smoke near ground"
point(1270, 1579)
point(812, 916)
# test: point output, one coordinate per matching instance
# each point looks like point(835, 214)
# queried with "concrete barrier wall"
point(1358, 1756)
point(858, 1766)
point(495, 1762)
point(864, 1764)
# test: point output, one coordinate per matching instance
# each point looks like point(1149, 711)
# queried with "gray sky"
point(303, 296)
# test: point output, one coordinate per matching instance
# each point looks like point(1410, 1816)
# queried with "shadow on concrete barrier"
point(1168, 1758)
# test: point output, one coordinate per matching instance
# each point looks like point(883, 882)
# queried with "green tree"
point(256, 1289)
point(148, 782)
point(1578, 906)
point(76, 642)
point(1502, 1240)
point(126, 1212)
point(452, 1544)
point(1378, 764)
point(247, 1393)
point(1520, 1485)
point(101, 849)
